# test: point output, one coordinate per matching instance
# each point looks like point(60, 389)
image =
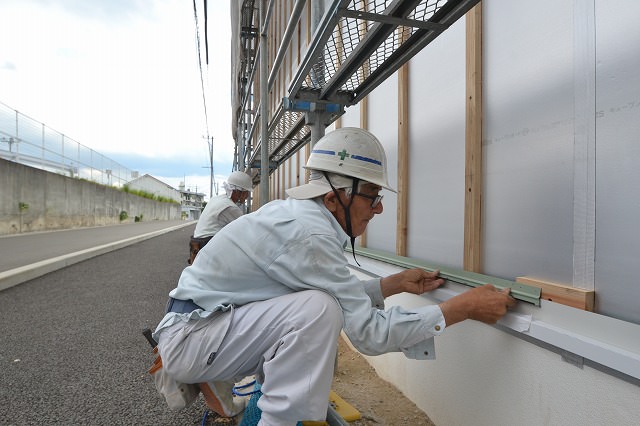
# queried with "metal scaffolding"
point(355, 46)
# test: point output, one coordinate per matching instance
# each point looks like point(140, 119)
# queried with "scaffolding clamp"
point(299, 105)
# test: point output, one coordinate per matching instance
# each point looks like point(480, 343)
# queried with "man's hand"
point(416, 281)
point(486, 304)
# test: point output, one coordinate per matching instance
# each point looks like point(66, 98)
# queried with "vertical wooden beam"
point(290, 173)
point(403, 153)
point(308, 23)
point(473, 140)
point(364, 124)
point(364, 103)
point(280, 180)
point(298, 167)
point(307, 153)
point(365, 69)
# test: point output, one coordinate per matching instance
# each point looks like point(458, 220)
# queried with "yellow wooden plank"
point(343, 408)
point(472, 258)
point(403, 160)
point(561, 293)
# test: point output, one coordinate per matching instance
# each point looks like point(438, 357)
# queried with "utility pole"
point(210, 166)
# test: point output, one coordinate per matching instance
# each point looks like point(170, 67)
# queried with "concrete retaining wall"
point(61, 202)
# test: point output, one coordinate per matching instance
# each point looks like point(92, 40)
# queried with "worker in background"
point(220, 211)
point(270, 294)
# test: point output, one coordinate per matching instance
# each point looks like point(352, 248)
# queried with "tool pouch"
point(178, 395)
point(219, 398)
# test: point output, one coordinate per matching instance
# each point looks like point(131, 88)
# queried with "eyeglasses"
point(375, 199)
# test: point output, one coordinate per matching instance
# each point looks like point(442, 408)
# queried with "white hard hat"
point(350, 152)
point(239, 181)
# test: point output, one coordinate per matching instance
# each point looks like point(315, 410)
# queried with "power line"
point(204, 101)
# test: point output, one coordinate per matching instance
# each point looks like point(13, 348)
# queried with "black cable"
point(206, 39)
point(204, 101)
point(347, 210)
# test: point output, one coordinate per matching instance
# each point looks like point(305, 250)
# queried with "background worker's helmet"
point(239, 181)
point(351, 152)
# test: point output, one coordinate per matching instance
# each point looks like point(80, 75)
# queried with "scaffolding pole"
point(264, 106)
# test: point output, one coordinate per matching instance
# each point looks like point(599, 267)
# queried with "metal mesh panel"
point(350, 32)
point(370, 40)
point(282, 141)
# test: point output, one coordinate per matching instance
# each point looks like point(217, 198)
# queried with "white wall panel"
point(437, 150)
point(351, 117)
point(383, 119)
point(528, 139)
point(618, 159)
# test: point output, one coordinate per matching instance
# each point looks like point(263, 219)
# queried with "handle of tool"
point(147, 334)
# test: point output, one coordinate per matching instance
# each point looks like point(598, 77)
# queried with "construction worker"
point(270, 294)
point(220, 211)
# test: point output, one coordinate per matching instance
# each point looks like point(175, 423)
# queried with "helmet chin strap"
point(347, 210)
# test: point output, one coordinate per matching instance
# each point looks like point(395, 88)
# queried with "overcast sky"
point(122, 77)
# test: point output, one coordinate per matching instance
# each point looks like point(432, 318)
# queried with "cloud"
point(112, 10)
point(10, 66)
point(121, 77)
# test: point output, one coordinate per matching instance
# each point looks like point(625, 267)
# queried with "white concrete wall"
point(156, 187)
point(561, 98)
point(60, 202)
point(483, 376)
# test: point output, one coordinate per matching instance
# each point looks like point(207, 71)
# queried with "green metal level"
point(526, 293)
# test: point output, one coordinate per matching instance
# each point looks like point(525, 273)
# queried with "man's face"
point(361, 210)
point(239, 197)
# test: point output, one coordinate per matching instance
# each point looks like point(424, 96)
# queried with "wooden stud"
point(307, 152)
point(308, 23)
point(339, 47)
point(283, 180)
point(289, 173)
point(403, 153)
point(563, 294)
point(365, 69)
point(364, 124)
point(472, 260)
point(299, 41)
point(298, 166)
point(364, 103)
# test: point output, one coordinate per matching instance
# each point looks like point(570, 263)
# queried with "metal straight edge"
point(526, 293)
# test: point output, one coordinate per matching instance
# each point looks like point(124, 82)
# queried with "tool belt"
point(177, 395)
point(195, 245)
point(181, 306)
point(218, 396)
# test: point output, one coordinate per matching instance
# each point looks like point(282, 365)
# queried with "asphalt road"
point(23, 249)
point(71, 348)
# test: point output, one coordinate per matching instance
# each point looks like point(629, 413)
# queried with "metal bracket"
point(299, 105)
point(573, 359)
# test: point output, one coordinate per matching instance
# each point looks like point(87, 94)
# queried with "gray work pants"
point(288, 342)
